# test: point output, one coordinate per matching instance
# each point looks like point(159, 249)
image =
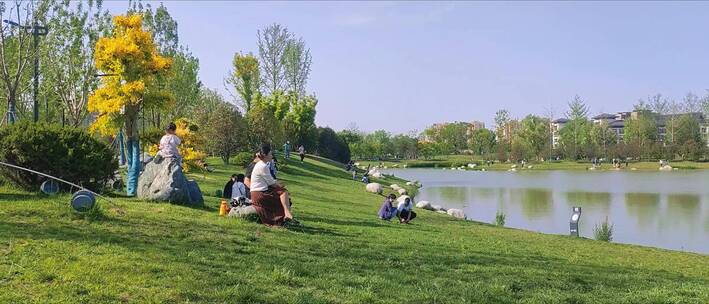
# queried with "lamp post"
point(37, 31)
point(574, 222)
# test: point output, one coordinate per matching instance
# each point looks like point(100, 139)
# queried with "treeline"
point(534, 138)
point(78, 86)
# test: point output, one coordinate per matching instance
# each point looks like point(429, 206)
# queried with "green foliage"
point(575, 137)
point(242, 159)
point(245, 78)
point(482, 142)
point(602, 137)
point(603, 232)
point(225, 131)
point(332, 146)
point(641, 132)
point(263, 126)
point(500, 218)
point(533, 137)
point(452, 137)
point(67, 153)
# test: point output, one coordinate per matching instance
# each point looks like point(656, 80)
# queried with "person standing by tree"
point(286, 149)
point(301, 153)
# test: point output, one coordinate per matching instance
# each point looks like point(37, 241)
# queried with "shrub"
point(604, 231)
point(67, 153)
point(500, 218)
point(242, 159)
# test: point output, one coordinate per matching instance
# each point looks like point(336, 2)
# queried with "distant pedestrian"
point(286, 149)
point(301, 153)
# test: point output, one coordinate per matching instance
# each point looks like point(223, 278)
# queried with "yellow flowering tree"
point(130, 63)
point(191, 156)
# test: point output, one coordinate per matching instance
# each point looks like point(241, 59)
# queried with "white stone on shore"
point(402, 191)
point(666, 168)
point(441, 211)
point(374, 188)
point(424, 205)
point(409, 183)
point(472, 166)
point(457, 213)
point(395, 187)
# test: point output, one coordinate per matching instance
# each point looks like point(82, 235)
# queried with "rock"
point(633, 169)
point(374, 188)
point(377, 174)
point(402, 191)
point(512, 170)
point(409, 183)
point(356, 164)
point(395, 187)
point(529, 167)
point(472, 166)
point(483, 169)
point(666, 168)
point(438, 208)
point(424, 205)
point(513, 166)
point(457, 213)
point(163, 180)
point(442, 212)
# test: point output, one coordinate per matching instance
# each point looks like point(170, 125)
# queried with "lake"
point(660, 209)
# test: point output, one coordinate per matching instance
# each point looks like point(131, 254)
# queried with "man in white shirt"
point(406, 211)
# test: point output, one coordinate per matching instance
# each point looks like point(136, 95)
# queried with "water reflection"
point(669, 210)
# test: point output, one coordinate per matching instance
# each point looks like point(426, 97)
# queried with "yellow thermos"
point(223, 208)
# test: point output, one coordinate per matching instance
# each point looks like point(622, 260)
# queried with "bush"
point(67, 153)
point(332, 146)
point(500, 218)
point(604, 231)
point(242, 159)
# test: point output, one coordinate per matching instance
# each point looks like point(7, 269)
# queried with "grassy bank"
point(449, 161)
point(158, 252)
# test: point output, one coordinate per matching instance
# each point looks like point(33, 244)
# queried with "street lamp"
point(574, 222)
point(37, 31)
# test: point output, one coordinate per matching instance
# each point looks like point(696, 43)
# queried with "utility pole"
point(37, 31)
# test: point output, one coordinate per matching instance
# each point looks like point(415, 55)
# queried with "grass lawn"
point(163, 253)
point(448, 161)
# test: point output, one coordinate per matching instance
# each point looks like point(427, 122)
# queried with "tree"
point(16, 51)
point(533, 136)
point(689, 138)
point(602, 137)
point(299, 122)
point(296, 63)
point(71, 74)
point(130, 56)
point(184, 84)
point(272, 42)
point(263, 125)
point(502, 119)
point(641, 132)
point(482, 142)
point(224, 130)
point(245, 78)
point(577, 109)
point(332, 146)
point(404, 146)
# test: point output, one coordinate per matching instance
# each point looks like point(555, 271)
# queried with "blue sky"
point(402, 66)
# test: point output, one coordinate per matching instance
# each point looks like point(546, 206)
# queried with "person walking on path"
point(301, 153)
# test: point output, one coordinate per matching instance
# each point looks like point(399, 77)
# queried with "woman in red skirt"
point(266, 192)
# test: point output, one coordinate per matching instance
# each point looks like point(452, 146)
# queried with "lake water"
point(660, 209)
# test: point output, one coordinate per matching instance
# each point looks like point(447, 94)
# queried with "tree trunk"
point(133, 149)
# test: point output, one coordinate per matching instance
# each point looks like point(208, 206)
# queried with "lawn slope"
point(163, 253)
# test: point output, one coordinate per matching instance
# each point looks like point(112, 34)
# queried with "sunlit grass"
point(163, 253)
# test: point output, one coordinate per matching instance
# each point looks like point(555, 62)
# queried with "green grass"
point(448, 161)
point(163, 253)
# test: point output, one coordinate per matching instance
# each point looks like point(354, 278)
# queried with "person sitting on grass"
point(168, 144)
point(228, 186)
point(388, 211)
point(238, 191)
point(268, 196)
point(406, 211)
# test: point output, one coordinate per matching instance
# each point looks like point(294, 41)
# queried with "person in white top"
point(268, 196)
point(169, 142)
point(406, 211)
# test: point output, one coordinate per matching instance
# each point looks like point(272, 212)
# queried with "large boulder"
point(402, 191)
point(374, 188)
point(457, 213)
point(163, 180)
point(438, 208)
point(395, 187)
point(666, 168)
point(424, 205)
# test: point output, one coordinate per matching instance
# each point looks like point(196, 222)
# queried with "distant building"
point(556, 126)
point(437, 127)
point(616, 122)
